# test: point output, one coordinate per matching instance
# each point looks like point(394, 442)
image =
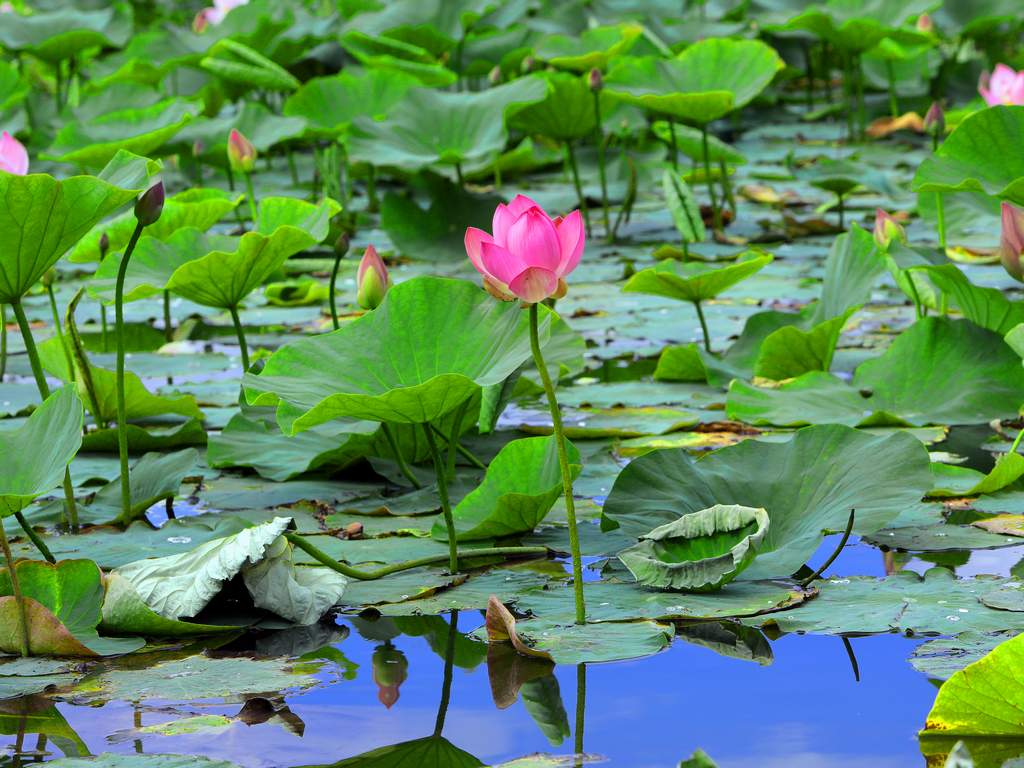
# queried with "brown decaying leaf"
point(501, 628)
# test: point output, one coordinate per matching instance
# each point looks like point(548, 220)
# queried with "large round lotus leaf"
point(981, 155)
point(444, 127)
point(141, 130)
point(808, 485)
point(703, 83)
point(694, 280)
point(859, 26)
point(55, 35)
point(33, 456)
point(566, 113)
point(699, 552)
point(428, 752)
point(522, 483)
point(592, 48)
point(429, 347)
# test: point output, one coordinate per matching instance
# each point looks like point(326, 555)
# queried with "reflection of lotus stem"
point(703, 325)
point(599, 137)
point(835, 554)
point(716, 215)
point(16, 589)
point(243, 348)
point(122, 407)
point(3, 341)
point(442, 492)
point(168, 330)
point(570, 155)
point(355, 573)
point(70, 509)
point(581, 711)
point(852, 656)
point(330, 293)
point(563, 463)
point(940, 221)
point(60, 333)
point(449, 667)
point(251, 197)
point(403, 466)
point(467, 454)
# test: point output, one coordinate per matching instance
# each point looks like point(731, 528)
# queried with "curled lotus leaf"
point(701, 551)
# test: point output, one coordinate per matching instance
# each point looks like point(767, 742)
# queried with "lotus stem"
point(169, 507)
point(940, 221)
point(703, 325)
point(852, 657)
point(809, 72)
point(356, 573)
point(3, 341)
point(716, 214)
point(291, 166)
point(841, 206)
point(672, 142)
point(723, 168)
point(60, 332)
point(250, 196)
point(449, 667)
point(331, 298)
point(602, 172)
point(403, 465)
point(570, 156)
point(894, 105)
point(467, 454)
point(835, 554)
point(446, 505)
point(19, 599)
point(453, 439)
point(563, 463)
point(861, 111)
point(37, 542)
point(70, 508)
point(243, 348)
point(915, 296)
point(458, 175)
point(168, 328)
point(82, 357)
point(103, 328)
point(122, 406)
point(581, 709)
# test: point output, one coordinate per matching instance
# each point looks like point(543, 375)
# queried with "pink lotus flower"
point(13, 157)
point(887, 229)
point(1003, 86)
point(529, 254)
point(215, 14)
point(372, 279)
point(241, 152)
point(1011, 242)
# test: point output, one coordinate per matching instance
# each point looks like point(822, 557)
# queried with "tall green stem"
point(70, 508)
point(103, 328)
point(673, 144)
point(716, 214)
point(168, 328)
point(60, 333)
point(453, 439)
point(3, 340)
point(940, 220)
point(251, 197)
point(122, 406)
point(446, 506)
point(403, 465)
point(1016, 442)
point(330, 294)
point(602, 172)
point(19, 599)
point(570, 155)
point(563, 463)
point(240, 333)
point(703, 325)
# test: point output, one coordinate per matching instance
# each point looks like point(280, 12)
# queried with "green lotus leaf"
point(329, 104)
point(706, 81)
point(853, 265)
point(939, 659)
point(522, 483)
point(988, 307)
point(795, 349)
point(428, 752)
point(901, 386)
point(694, 280)
point(592, 48)
point(154, 478)
point(683, 207)
point(404, 362)
point(35, 455)
point(808, 485)
point(151, 438)
point(394, 56)
point(243, 66)
point(63, 602)
point(259, 125)
point(701, 551)
point(860, 26)
point(125, 613)
point(55, 35)
point(199, 208)
point(434, 26)
point(141, 130)
point(839, 177)
point(690, 142)
point(43, 218)
point(301, 292)
point(566, 113)
point(980, 155)
point(441, 127)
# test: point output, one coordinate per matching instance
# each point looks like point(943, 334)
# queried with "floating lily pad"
point(694, 281)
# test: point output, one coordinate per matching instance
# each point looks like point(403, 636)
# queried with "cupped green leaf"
point(566, 113)
point(154, 478)
point(683, 207)
point(701, 551)
point(706, 81)
point(522, 483)
point(808, 485)
point(142, 131)
point(125, 613)
point(981, 154)
point(33, 457)
point(857, 27)
point(592, 48)
point(63, 602)
point(60, 33)
point(429, 347)
point(395, 56)
point(694, 280)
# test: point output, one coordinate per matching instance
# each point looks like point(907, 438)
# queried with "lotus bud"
point(13, 156)
point(372, 280)
point(935, 119)
point(390, 670)
point(341, 245)
point(150, 205)
point(925, 24)
point(887, 229)
point(1011, 242)
point(49, 277)
point(241, 152)
point(494, 76)
point(595, 81)
point(529, 64)
point(104, 245)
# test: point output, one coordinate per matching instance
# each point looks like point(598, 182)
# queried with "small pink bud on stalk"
point(1011, 242)
point(935, 119)
point(595, 81)
point(887, 229)
point(150, 205)
point(925, 24)
point(104, 245)
point(372, 280)
point(241, 152)
point(49, 277)
point(341, 245)
point(13, 156)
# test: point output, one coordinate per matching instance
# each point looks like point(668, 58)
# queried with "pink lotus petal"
point(572, 238)
point(13, 157)
point(475, 238)
point(521, 204)
point(533, 240)
point(534, 284)
point(499, 263)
